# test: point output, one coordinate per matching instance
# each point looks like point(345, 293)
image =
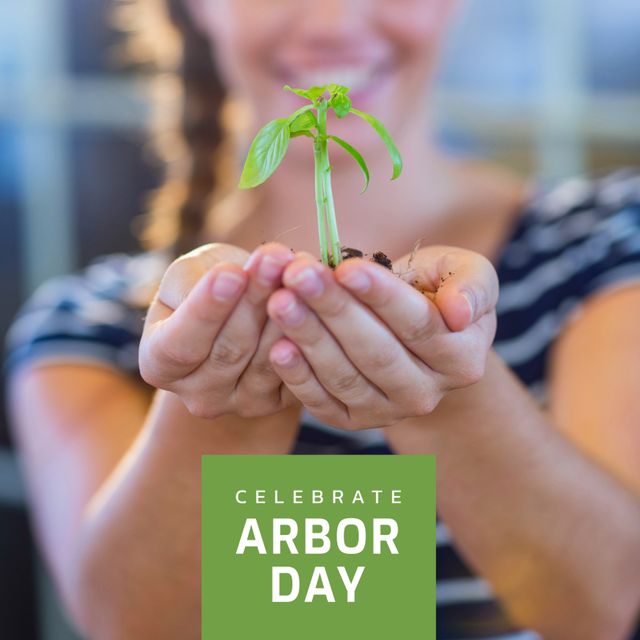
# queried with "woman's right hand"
point(207, 335)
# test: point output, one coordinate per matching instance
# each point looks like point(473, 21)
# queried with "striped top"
point(568, 243)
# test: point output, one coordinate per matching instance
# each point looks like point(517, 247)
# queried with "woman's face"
point(384, 50)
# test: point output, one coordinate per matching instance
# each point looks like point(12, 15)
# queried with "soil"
point(382, 259)
point(379, 257)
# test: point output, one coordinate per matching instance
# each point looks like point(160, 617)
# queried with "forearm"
point(139, 553)
point(557, 537)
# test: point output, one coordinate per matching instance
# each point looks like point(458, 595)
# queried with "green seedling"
point(270, 146)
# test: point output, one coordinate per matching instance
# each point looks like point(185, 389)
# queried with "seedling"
point(270, 146)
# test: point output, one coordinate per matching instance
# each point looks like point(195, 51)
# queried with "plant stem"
point(320, 202)
point(336, 252)
point(323, 177)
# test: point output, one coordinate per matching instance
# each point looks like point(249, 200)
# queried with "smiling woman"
point(254, 347)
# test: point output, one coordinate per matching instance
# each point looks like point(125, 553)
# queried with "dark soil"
point(382, 259)
point(350, 252)
point(378, 257)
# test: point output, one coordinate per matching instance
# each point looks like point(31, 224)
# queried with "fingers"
point(466, 282)
point(204, 332)
point(455, 349)
point(307, 256)
point(259, 384)
point(412, 317)
point(302, 383)
point(179, 339)
point(235, 344)
point(325, 356)
point(470, 288)
point(259, 375)
point(184, 273)
point(176, 342)
point(368, 344)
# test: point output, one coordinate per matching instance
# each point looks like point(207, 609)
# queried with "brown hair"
point(162, 34)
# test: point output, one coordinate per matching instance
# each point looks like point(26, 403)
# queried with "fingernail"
point(284, 357)
point(356, 280)
point(470, 298)
point(252, 259)
point(269, 270)
point(293, 313)
point(307, 282)
point(227, 285)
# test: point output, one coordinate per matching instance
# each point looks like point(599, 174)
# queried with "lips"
point(358, 77)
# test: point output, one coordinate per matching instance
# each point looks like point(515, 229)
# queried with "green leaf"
point(338, 89)
point(358, 158)
point(340, 104)
point(386, 138)
point(308, 134)
point(312, 94)
point(300, 111)
point(303, 122)
point(266, 153)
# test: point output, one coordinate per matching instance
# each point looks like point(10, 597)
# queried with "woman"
point(536, 437)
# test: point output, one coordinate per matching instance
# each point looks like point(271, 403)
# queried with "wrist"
point(459, 412)
point(170, 420)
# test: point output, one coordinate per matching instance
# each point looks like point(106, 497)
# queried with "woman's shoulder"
point(572, 241)
point(578, 227)
point(607, 192)
point(95, 314)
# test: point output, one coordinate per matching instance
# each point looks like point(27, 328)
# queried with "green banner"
point(318, 547)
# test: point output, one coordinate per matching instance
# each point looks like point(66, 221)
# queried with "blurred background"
point(550, 88)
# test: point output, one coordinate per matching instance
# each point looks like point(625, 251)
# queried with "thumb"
point(468, 289)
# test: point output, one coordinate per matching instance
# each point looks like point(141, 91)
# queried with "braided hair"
point(163, 34)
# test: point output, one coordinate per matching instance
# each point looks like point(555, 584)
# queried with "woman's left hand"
point(363, 348)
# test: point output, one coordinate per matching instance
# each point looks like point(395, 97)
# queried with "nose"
point(333, 20)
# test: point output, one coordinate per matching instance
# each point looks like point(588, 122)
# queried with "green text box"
point(395, 594)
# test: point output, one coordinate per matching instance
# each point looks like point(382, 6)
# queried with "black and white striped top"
point(568, 244)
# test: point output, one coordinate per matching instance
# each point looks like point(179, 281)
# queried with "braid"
point(203, 97)
point(163, 33)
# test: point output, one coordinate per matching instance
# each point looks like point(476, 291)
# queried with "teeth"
point(353, 77)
